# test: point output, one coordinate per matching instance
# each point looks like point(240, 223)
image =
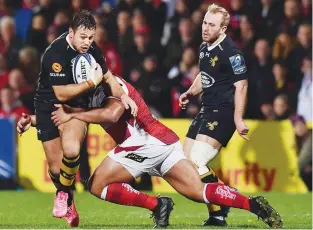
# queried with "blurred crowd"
point(154, 45)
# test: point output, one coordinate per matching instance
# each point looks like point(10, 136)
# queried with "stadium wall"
point(268, 162)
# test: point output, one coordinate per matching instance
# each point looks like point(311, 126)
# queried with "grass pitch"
point(28, 209)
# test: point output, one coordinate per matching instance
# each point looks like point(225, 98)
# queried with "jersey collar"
point(217, 42)
point(68, 41)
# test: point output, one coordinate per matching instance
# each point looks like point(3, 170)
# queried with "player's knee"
point(92, 186)
point(54, 168)
point(71, 150)
point(201, 154)
point(194, 188)
point(195, 193)
point(54, 165)
point(95, 187)
point(198, 191)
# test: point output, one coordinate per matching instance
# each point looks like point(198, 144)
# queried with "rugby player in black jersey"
point(222, 81)
point(56, 85)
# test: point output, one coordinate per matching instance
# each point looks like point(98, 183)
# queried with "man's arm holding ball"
point(65, 92)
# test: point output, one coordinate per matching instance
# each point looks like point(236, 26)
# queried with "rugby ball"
point(81, 67)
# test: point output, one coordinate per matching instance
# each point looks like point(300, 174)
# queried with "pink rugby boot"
point(60, 204)
point(72, 216)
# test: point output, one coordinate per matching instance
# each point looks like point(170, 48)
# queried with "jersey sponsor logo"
point(56, 67)
point(225, 192)
point(206, 80)
point(57, 74)
point(238, 64)
point(213, 61)
point(212, 125)
point(135, 157)
point(130, 188)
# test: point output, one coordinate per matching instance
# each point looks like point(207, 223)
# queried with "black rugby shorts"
point(217, 123)
point(46, 130)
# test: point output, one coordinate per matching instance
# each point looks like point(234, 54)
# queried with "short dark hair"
point(83, 18)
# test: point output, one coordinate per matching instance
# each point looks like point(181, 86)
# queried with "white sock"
point(104, 193)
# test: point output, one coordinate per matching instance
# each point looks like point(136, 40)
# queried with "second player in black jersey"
point(222, 82)
point(221, 65)
point(56, 85)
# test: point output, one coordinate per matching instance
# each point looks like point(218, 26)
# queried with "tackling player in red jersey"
point(146, 145)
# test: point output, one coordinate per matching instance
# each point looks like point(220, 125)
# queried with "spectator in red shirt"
point(4, 74)
point(10, 107)
point(76, 5)
point(236, 11)
point(93, 4)
point(4, 8)
point(18, 83)
point(306, 9)
point(113, 59)
point(29, 4)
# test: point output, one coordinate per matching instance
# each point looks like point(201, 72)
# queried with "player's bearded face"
point(82, 39)
point(211, 27)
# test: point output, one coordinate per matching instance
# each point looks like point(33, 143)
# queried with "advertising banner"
point(268, 162)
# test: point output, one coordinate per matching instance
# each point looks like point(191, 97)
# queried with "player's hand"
point(184, 100)
point(61, 115)
point(96, 75)
point(242, 128)
point(129, 103)
point(23, 124)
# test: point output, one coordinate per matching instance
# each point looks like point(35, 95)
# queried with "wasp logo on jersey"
point(206, 80)
point(213, 61)
point(238, 64)
point(212, 125)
